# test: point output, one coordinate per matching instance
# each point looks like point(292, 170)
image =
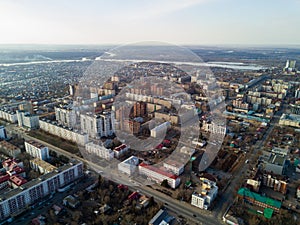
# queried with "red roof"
point(4, 178)
point(18, 169)
point(159, 171)
point(18, 180)
point(121, 186)
point(133, 195)
point(166, 141)
point(159, 146)
point(121, 147)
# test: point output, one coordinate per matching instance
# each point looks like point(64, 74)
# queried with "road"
point(227, 197)
point(183, 208)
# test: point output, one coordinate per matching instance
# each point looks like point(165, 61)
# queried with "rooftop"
point(34, 182)
point(7, 145)
point(247, 193)
point(277, 159)
point(43, 164)
point(18, 180)
point(35, 144)
point(132, 160)
point(159, 171)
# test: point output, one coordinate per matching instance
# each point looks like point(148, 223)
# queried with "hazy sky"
point(248, 22)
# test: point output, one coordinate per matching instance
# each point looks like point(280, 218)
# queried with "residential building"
point(139, 109)
point(214, 128)
point(143, 202)
point(15, 201)
point(71, 201)
point(10, 164)
point(131, 126)
point(290, 66)
point(99, 150)
point(64, 132)
point(3, 134)
point(41, 166)
point(291, 120)
point(295, 108)
point(9, 149)
point(208, 192)
point(99, 125)
point(8, 115)
point(129, 166)
point(297, 93)
point(159, 174)
point(65, 116)
point(4, 181)
point(160, 130)
point(173, 118)
point(254, 184)
point(17, 181)
point(120, 150)
point(36, 149)
point(27, 120)
point(270, 180)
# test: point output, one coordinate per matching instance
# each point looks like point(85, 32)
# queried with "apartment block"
point(208, 192)
point(15, 201)
point(36, 149)
point(63, 132)
point(99, 150)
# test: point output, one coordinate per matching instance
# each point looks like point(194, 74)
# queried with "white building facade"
point(37, 150)
point(100, 125)
point(99, 150)
point(129, 166)
point(63, 132)
point(25, 119)
point(3, 134)
point(207, 194)
point(14, 202)
point(174, 166)
point(160, 130)
point(159, 175)
point(8, 116)
point(65, 116)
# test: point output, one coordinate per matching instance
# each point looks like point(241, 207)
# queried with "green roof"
point(296, 162)
point(268, 213)
point(269, 201)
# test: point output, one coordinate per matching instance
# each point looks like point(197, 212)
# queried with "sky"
point(193, 22)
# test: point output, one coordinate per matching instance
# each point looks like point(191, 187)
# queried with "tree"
point(33, 174)
point(165, 184)
point(107, 199)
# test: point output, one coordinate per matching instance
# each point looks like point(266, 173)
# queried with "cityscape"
point(165, 132)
